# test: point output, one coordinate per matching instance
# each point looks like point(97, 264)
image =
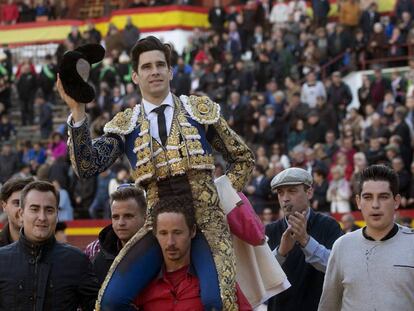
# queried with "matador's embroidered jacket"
point(197, 128)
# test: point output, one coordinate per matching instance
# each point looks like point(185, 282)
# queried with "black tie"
point(162, 128)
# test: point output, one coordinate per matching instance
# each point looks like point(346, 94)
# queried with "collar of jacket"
point(5, 237)
point(35, 249)
point(110, 243)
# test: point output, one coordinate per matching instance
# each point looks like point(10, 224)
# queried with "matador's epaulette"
point(124, 122)
point(201, 108)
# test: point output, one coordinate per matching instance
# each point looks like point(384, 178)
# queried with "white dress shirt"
point(153, 117)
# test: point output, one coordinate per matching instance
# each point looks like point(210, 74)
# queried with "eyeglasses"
point(122, 186)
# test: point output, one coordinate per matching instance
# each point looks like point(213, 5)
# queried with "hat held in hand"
point(75, 69)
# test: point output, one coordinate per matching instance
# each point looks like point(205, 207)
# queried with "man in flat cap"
point(301, 241)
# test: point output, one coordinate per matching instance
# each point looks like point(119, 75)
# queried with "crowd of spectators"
point(265, 64)
point(25, 11)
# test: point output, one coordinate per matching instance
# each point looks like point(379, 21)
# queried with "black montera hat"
point(75, 69)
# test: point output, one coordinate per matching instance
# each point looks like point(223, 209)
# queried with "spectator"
point(10, 201)
point(327, 113)
point(345, 157)
point(73, 285)
point(369, 18)
point(128, 211)
point(404, 6)
point(339, 95)
point(410, 199)
point(267, 216)
point(301, 241)
point(181, 83)
point(258, 189)
point(376, 130)
point(59, 170)
point(311, 89)
point(217, 17)
point(320, 10)
point(9, 13)
point(65, 205)
point(348, 223)
point(312, 163)
point(339, 42)
point(24, 171)
point(122, 177)
point(83, 193)
point(93, 33)
point(62, 9)
point(377, 42)
point(315, 129)
point(277, 151)
point(41, 9)
point(297, 9)
point(7, 129)
point(400, 128)
point(234, 113)
point(349, 14)
point(297, 135)
point(138, 4)
point(9, 162)
point(60, 234)
point(26, 88)
point(360, 163)
point(378, 199)
point(45, 115)
point(379, 87)
point(399, 86)
point(339, 191)
point(375, 153)
point(114, 40)
point(47, 79)
point(404, 178)
point(57, 147)
point(320, 188)
point(27, 12)
point(280, 13)
point(364, 93)
point(36, 156)
point(101, 200)
point(131, 34)
point(75, 37)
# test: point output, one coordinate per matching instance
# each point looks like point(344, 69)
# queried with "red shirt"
point(178, 291)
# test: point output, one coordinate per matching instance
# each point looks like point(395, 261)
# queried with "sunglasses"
point(122, 186)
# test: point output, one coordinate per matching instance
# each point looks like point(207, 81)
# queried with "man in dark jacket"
point(130, 33)
point(47, 79)
point(26, 89)
point(301, 241)
point(128, 211)
point(316, 128)
point(37, 273)
point(217, 17)
point(9, 162)
point(45, 115)
point(339, 95)
point(321, 10)
point(369, 17)
point(10, 201)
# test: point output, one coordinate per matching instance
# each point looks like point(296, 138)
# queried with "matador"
point(169, 142)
